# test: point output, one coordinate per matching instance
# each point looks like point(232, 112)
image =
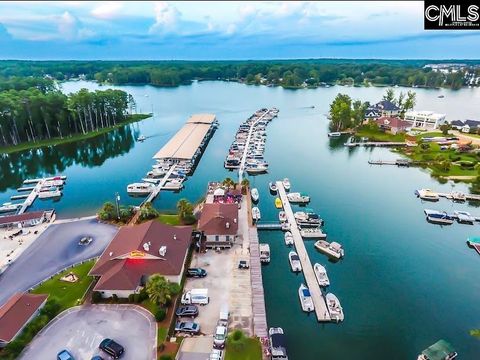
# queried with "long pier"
point(258, 295)
point(375, 144)
point(457, 196)
point(269, 226)
point(397, 162)
point(321, 309)
point(159, 187)
point(31, 197)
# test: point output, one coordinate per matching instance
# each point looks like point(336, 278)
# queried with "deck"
point(321, 310)
point(260, 327)
point(31, 197)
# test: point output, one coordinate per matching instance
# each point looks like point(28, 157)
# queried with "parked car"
point(196, 272)
point(65, 355)
point(220, 337)
point(243, 264)
point(187, 327)
point(187, 310)
point(112, 348)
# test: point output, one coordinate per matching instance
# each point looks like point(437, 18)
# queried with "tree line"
point(286, 73)
point(41, 111)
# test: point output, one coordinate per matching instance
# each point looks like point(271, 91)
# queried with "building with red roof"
point(393, 124)
point(219, 224)
point(139, 251)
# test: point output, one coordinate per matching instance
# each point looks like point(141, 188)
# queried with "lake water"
point(403, 284)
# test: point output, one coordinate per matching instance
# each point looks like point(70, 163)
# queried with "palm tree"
point(245, 184)
point(159, 289)
point(228, 183)
point(182, 207)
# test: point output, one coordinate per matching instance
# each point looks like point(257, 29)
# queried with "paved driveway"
point(81, 329)
point(55, 249)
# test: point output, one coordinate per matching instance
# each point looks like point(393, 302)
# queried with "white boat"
point(286, 184)
point(294, 261)
point(49, 194)
point(332, 249)
point(288, 238)
point(256, 169)
point(278, 344)
point(8, 207)
point(464, 217)
point(305, 298)
point(256, 213)
point(254, 194)
point(141, 138)
point(173, 184)
point(264, 253)
point(438, 217)
point(286, 226)
point(273, 187)
point(140, 189)
point(312, 233)
point(321, 275)
point(50, 183)
point(334, 307)
point(427, 194)
point(334, 134)
point(282, 216)
point(298, 198)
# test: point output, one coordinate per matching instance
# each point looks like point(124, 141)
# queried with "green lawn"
point(68, 294)
point(73, 138)
point(374, 134)
point(250, 349)
point(169, 219)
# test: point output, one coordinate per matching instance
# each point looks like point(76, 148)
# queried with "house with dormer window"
point(218, 223)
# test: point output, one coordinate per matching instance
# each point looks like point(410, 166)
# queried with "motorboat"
point(173, 184)
point(321, 275)
point(254, 194)
point(310, 222)
point(298, 198)
point(442, 350)
point(334, 134)
point(312, 233)
point(278, 203)
point(264, 253)
point(464, 217)
point(50, 183)
point(333, 249)
point(427, 195)
point(286, 226)
point(294, 261)
point(438, 217)
point(256, 213)
point(142, 138)
point(52, 192)
point(273, 187)
point(278, 344)
point(288, 238)
point(458, 196)
point(140, 189)
point(474, 242)
point(334, 307)
point(305, 298)
point(9, 207)
point(286, 184)
point(256, 169)
point(282, 216)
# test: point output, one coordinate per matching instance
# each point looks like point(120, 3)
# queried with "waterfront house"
point(428, 120)
point(371, 114)
point(26, 219)
point(394, 124)
point(386, 108)
point(16, 313)
point(219, 224)
point(466, 126)
point(139, 251)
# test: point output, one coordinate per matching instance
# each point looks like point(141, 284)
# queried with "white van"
point(195, 296)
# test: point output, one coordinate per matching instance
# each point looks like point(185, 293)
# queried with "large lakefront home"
point(385, 108)
point(425, 119)
point(219, 224)
point(393, 124)
point(139, 251)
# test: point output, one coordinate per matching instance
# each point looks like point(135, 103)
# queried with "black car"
point(112, 348)
point(196, 272)
point(243, 264)
point(187, 310)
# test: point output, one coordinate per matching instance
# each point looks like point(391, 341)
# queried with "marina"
point(457, 196)
point(351, 143)
point(321, 310)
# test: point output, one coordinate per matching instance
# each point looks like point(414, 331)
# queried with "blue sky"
point(225, 30)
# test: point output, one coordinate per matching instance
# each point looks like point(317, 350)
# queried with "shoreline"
point(77, 137)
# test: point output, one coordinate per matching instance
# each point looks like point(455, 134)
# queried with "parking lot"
point(80, 330)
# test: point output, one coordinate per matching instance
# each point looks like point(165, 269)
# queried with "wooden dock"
point(260, 327)
point(321, 309)
point(398, 162)
point(31, 197)
point(375, 144)
point(159, 186)
point(269, 226)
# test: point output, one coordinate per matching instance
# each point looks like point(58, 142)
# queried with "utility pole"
point(117, 202)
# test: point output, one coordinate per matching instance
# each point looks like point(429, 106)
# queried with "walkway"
point(258, 296)
point(320, 306)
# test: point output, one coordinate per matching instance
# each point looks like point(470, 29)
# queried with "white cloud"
point(166, 17)
point(107, 10)
point(67, 26)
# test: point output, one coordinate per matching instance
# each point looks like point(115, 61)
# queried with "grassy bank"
point(73, 138)
point(169, 219)
point(373, 133)
point(243, 348)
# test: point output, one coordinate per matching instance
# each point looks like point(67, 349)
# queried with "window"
point(228, 237)
point(217, 238)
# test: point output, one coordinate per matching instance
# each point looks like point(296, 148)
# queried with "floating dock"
point(398, 162)
point(457, 196)
point(269, 225)
point(375, 144)
point(321, 309)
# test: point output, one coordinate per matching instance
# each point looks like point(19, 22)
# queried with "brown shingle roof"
point(393, 122)
point(125, 260)
point(16, 312)
point(22, 217)
point(219, 219)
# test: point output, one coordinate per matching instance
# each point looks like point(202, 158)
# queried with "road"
point(81, 329)
point(55, 249)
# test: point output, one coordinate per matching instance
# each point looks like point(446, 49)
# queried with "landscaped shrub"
point(131, 298)
point(160, 314)
point(96, 297)
point(166, 357)
point(114, 298)
point(143, 295)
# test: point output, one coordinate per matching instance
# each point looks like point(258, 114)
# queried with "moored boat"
point(256, 169)
point(441, 350)
point(464, 217)
point(288, 238)
point(254, 194)
point(321, 275)
point(141, 138)
point(332, 249)
point(278, 203)
point(312, 233)
point(140, 189)
point(298, 198)
point(264, 253)
point(427, 195)
point(273, 187)
point(278, 344)
point(9, 207)
point(282, 216)
point(334, 307)
point(305, 298)
point(256, 213)
point(286, 184)
point(294, 261)
point(334, 134)
point(438, 217)
point(474, 242)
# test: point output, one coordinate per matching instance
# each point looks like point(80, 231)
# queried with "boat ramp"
point(321, 309)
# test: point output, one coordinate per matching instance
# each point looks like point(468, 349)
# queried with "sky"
point(225, 30)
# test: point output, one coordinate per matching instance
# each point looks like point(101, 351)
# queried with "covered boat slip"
point(185, 144)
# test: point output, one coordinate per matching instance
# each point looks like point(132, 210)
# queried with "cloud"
point(108, 10)
point(67, 26)
point(166, 17)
